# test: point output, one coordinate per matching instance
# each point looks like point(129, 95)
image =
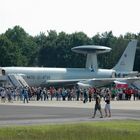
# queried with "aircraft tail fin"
point(126, 61)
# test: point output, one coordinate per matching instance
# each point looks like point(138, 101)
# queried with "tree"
point(9, 53)
point(26, 47)
point(47, 45)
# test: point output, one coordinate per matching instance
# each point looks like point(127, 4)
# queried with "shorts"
point(97, 107)
point(107, 107)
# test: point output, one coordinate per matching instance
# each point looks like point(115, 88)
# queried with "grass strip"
point(103, 130)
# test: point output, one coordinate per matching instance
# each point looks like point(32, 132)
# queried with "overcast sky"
point(88, 16)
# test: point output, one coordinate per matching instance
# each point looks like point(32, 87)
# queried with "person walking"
point(97, 106)
point(107, 105)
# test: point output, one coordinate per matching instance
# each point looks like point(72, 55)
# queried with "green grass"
point(103, 130)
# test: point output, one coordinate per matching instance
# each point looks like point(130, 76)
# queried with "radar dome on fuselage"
point(86, 49)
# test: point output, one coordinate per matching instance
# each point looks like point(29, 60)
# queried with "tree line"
point(18, 48)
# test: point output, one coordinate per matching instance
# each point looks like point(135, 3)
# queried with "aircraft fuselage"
point(36, 76)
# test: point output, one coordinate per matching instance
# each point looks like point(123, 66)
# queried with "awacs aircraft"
point(35, 76)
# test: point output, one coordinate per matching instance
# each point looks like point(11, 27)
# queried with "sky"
point(88, 16)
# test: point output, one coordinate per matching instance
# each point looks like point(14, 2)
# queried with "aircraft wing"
point(95, 82)
point(99, 82)
point(61, 82)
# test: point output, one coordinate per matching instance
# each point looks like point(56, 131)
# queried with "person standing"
point(25, 95)
point(107, 105)
point(97, 106)
point(3, 95)
point(85, 96)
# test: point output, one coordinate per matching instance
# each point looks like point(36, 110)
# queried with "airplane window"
point(31, 77)
point(3, 72)
point(48, 77)
point(44, 77)
point(28, 77)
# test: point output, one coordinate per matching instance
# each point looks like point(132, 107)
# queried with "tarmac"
point(59, 112)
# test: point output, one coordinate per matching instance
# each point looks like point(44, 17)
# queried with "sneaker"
point(101, 117)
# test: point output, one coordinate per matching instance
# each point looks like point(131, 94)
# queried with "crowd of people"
point(27, 94)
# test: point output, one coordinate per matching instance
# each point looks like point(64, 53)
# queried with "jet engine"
point(106, 73)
